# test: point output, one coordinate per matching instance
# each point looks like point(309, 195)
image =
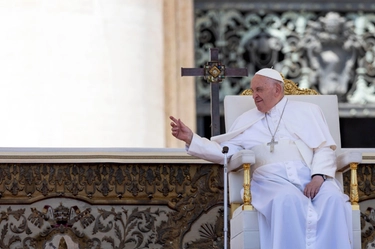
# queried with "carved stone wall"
point(326, 46)
point(136, 199)
point(366, 187)
point(110, 205)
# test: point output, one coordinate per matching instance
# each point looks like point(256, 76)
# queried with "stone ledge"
point(79, 155)
point(347, 110)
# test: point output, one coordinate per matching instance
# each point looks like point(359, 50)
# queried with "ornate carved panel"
point(110, 205)
point(366, 187)
point(366, 181)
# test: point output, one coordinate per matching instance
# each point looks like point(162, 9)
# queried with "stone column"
point(179, 52)
point(92, 73)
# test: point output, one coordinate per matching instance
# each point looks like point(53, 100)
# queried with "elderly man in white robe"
point(293, 188)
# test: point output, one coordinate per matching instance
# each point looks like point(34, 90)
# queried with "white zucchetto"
point(270, 73)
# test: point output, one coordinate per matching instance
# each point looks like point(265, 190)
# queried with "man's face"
point(266, 93)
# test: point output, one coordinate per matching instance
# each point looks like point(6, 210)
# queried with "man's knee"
point(287, 199)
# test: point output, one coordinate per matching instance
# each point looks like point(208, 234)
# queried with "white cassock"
point(287, 218)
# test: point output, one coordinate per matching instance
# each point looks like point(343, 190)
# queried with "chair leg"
point(246, 187)
point(354, 197)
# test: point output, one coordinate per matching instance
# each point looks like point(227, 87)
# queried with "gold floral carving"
point(290, 88)
point(365, 174)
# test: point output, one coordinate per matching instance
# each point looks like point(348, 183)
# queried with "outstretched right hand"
point(181, 131)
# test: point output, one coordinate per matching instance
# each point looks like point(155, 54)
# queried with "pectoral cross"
point(214, 72)
point(272, 144)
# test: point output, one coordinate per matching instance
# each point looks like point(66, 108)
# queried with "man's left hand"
point(312, 188)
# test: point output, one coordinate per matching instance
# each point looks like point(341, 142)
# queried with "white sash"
point(285, 150)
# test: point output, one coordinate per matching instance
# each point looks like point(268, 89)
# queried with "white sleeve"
point(210, 150)
point(324, 162)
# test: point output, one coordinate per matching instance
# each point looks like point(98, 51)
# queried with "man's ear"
point(278, 89)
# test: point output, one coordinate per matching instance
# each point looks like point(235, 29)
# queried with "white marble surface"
point(95, 154)
point(368, 154)
point(118, 154)
point(82, 73)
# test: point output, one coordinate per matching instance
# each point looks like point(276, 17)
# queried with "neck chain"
point(273, 142)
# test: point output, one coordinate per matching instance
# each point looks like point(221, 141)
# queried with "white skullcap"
point(270, 73)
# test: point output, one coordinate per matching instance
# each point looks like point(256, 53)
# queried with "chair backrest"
point(235, 105)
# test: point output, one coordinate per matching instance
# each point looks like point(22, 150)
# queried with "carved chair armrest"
point(240, 158)
point(239, 178)
point(346, 157)
point(346, 160)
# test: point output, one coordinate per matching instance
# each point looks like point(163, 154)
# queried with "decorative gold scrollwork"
point(290, 88)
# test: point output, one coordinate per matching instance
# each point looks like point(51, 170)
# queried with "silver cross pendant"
point(272, 144)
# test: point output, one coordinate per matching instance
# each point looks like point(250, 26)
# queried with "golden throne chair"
point(244, 220)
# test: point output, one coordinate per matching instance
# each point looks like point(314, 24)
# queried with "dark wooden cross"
point(214, 72)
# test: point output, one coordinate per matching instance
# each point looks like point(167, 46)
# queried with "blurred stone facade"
point(328, 47)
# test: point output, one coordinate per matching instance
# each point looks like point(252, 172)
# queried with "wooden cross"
point(214, 72)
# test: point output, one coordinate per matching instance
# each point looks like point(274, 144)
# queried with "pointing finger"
point(173, 119)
